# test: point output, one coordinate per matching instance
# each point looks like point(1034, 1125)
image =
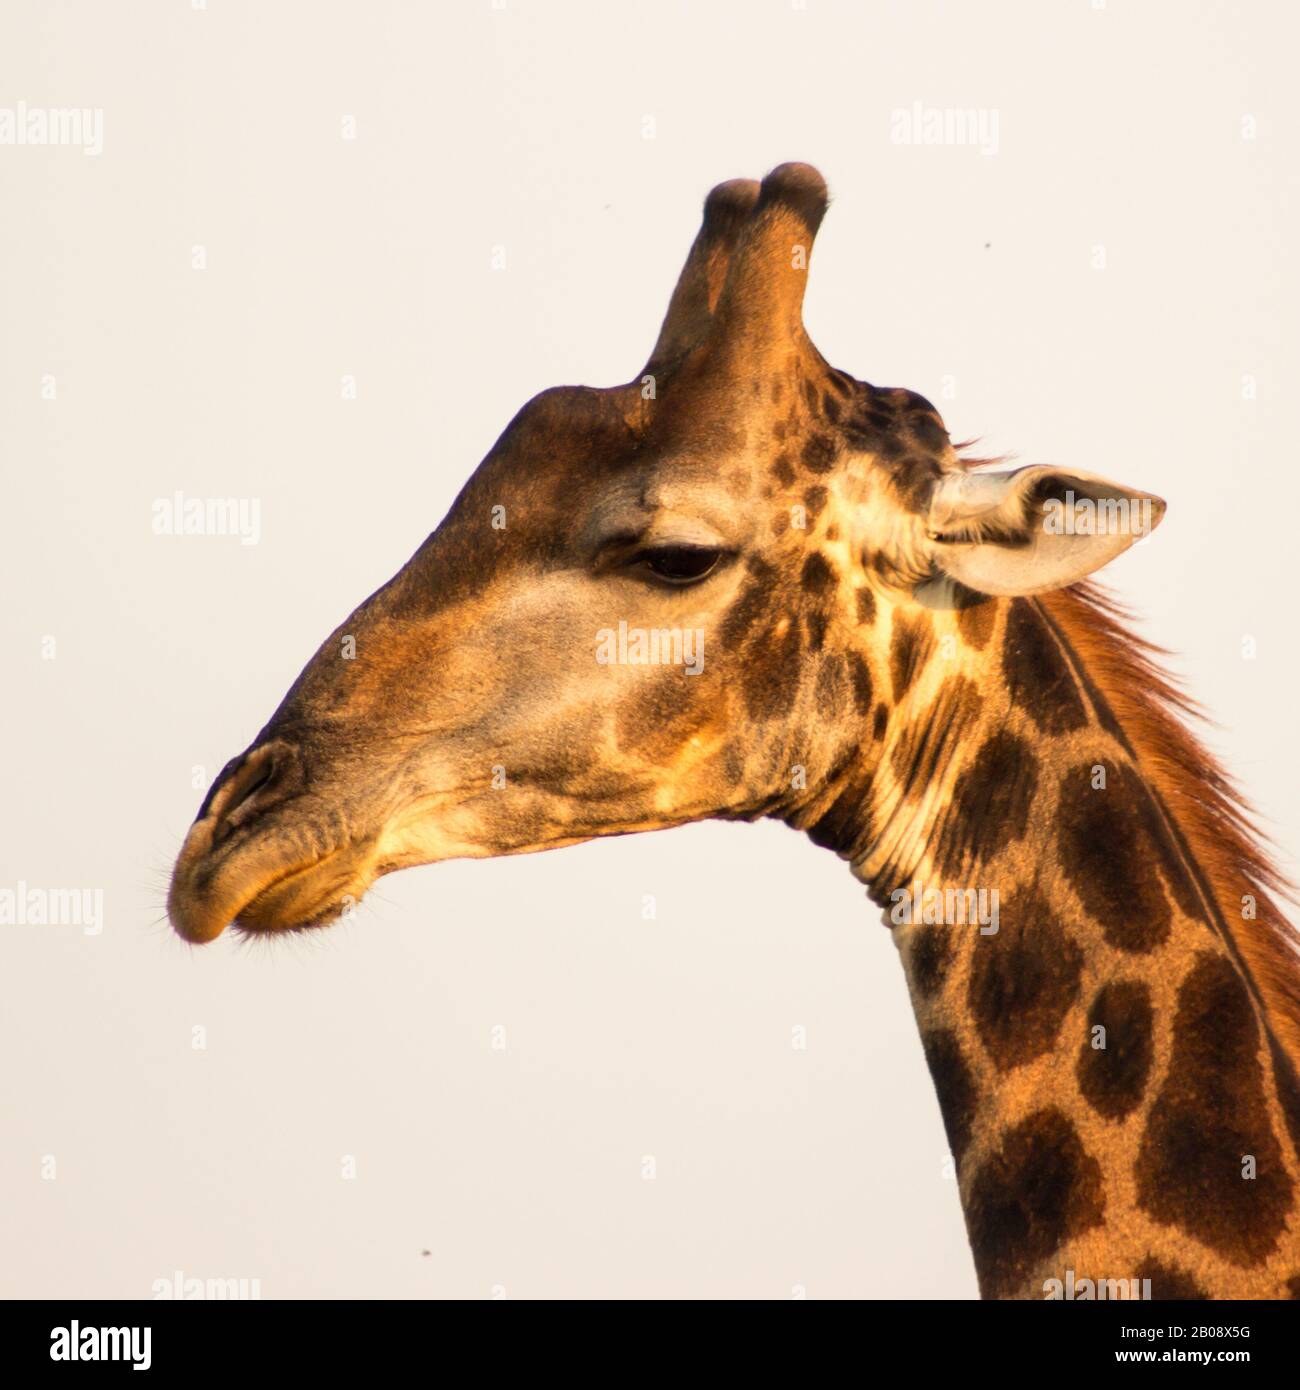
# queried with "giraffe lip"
point(259, 886)
point(309, 896)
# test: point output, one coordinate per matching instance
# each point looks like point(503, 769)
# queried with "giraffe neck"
point(1115, 1103)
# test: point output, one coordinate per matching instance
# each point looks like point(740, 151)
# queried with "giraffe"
point(746, 584)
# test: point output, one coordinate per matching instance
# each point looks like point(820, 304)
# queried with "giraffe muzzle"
point(256, 855)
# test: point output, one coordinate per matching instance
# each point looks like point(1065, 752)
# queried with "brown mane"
point(1203, 800)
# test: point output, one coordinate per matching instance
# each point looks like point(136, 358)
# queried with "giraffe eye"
point(680, 564)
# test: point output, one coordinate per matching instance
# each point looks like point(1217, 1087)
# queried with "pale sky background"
point(967, 276)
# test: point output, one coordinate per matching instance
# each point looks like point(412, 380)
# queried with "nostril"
point(264, 773)
point(248, 785)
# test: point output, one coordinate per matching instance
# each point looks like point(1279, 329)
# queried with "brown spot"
point(830, 407)
point(860, 674)
point(929, 433)
point(866, 601)
point(909, 649)
point(953, 1085)
point(879, 723)
point(817, 576)
point(878, 561)
point(780, 522)
point(810, 394)
point(1113, 1078)
point(783, 470)
point(915, 477)
point(1292, 1286)
point(750, 606)
point(814, 500)
point(1038, 678)
point(1209, 1115)
point(990, 804)
point(818, 453)
point(888, 448)
point(975, 623)
point(660, 716)
point(930, 953)
point(1023, 979)
point(1106, 852)
point(770, 673)
point(1039, 1190)
point(1168, 1283)
point(815, 624)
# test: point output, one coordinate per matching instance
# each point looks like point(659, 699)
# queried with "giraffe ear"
point(1027, 530)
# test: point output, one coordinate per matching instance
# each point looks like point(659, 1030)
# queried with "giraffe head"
point(650, 604)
